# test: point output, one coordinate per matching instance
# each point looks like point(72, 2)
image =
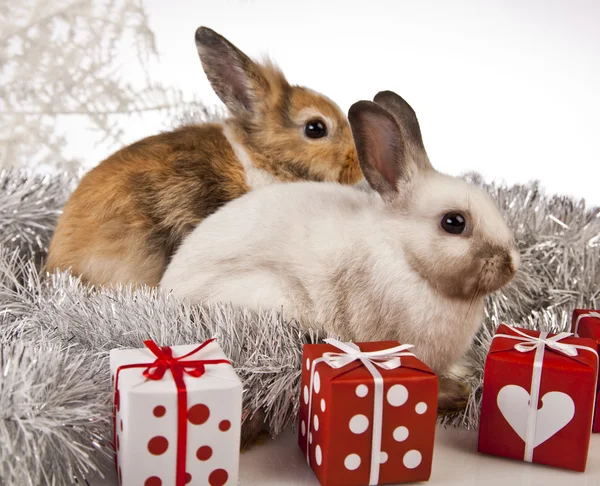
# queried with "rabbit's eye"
point(315, 129)
point(453, 223)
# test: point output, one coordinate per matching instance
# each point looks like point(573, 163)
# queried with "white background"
point(507, 88)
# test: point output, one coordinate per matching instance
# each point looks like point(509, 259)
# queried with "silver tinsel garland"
point(55, 333)
point(29, 206)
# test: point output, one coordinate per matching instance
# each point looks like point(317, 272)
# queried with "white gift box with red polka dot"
point(146, 420)
point(337, 436)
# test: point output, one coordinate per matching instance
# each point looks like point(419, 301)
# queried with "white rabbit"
point(410, 260)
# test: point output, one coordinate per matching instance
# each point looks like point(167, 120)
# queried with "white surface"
point(509, 89)
point(455, 463)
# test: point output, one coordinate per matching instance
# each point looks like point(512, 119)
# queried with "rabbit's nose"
point(513, 261)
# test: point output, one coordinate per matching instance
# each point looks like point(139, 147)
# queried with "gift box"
point(177, 415)
point(367, 413)
point(586, 324)
point(538, 397)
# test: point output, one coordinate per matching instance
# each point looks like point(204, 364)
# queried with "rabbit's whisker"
point(474, 298)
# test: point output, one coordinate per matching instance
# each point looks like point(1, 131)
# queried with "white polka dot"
point(316, 422)
point(352, 462)
point(305, 394)
point(322, 405)
point(397, 395)
point(303, 428)
point(412, 459)
point(383, 457)
point(362, 390)
point(318, 455)
point(317, 383)
point(421, 408)
point(358, 424)
point(310, 438)
point(400, 434)
point(307, 364)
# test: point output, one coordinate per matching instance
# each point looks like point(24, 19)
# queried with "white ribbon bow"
point(532, 343)
point(387, 359)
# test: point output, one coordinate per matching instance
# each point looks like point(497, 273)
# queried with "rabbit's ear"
point(380, 147)
point(236, 79)
point(409, 125)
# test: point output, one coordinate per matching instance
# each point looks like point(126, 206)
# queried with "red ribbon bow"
point(165, 361)
point(156, 371)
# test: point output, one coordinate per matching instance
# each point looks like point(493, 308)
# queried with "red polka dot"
point(224, 425)
point(117, 400)
point(198, 414)
point(188, 478)
point(117, 442)
point(153, 481)
point(121, 426)
point(158, 445)
point(218, 477)
point(159, 411)
point(112, 378)
point(204, 453)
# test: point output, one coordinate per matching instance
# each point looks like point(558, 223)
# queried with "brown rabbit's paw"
point(453, 396)
point(253, 430)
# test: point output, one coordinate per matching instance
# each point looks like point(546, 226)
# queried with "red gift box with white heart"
point(538, 399)
point(367, 413)
point(586, 324)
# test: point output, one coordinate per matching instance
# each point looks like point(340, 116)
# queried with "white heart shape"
point(557, 410)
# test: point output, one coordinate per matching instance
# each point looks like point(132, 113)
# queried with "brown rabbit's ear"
point(408, 122)
point(381, 150)
point(236, 79)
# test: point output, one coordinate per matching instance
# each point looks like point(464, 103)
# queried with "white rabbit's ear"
point(409, 125)
point(236, 78)
point(380, 148)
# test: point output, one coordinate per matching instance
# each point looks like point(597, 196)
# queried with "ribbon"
point(582, 316)
point(527, 344)
point(387, 359)
point(530, 343)
point(155, 371)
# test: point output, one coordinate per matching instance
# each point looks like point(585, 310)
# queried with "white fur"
point(284, 246)
point(255, 177)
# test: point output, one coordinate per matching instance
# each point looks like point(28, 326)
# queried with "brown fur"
point(253, 426)
point(278, 130)
point(129, 214)
point(152, 194)
point(453, 395)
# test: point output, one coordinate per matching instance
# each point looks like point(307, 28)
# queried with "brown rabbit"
point(129, 214)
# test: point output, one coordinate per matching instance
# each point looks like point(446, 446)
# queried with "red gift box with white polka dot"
point(146, 421)
point(338, 434)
